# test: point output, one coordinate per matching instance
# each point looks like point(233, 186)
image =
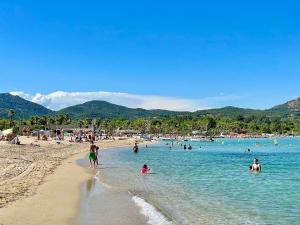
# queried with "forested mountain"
point(288, 109)
point(105, 110)
point(231, 112)
point(21, 107)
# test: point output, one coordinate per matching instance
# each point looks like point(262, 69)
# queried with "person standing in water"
point(93, 156)
point(135, 148)
point(97, 155)
point(255, 166)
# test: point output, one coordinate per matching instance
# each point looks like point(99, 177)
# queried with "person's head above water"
point(145, 169)
point(255, 161)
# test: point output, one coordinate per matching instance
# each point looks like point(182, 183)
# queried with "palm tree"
point(59, 119)
point(98, 123)
point(88, 122)
point(81, 123)
point(51, 121)
point(67, 119)
point(211, 124)
point(11, 114)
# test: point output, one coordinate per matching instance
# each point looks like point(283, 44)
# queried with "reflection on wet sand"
point(90, 184)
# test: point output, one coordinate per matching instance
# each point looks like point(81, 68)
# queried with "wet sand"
point(41, 185)
point(101, 206)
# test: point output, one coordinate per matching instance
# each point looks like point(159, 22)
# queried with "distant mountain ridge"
point(106, 110)
point(22, 107)
point(230, 111)
point(290, 109)
point(103, 109)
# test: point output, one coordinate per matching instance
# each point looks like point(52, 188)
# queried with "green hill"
point(103, 109)
point(22, 107)
point(288, 109)
point(106, 110)
point(231, 112)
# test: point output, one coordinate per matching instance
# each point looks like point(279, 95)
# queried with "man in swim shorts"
point(92, 155)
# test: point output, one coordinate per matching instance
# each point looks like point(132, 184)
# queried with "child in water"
point(145, 170)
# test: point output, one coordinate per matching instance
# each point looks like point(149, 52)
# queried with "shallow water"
point(101, 206)
point(211, 184)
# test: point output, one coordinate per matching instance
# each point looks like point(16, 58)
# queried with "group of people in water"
point(187, 148)
point(94, 162)
point(144, 170)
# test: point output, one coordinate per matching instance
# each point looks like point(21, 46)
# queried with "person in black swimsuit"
point(135, 148)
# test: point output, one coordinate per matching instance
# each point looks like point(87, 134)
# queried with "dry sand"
point(41, 185)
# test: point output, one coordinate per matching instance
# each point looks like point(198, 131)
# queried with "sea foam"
point(154, 217)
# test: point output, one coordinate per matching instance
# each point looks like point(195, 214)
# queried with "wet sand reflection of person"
point(90, 184)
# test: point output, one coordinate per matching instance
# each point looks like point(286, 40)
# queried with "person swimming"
point(255, 166)
point(144, 169)
point(184, 147)
point(190, 147)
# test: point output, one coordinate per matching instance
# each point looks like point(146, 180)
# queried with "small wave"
point(97, 178)
point(154, 217)
point(97, 175)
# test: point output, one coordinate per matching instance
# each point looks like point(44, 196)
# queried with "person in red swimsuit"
point(145, 169)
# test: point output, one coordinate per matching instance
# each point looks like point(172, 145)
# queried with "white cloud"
point(60, 99)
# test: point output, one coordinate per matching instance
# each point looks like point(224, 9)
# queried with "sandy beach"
point(41, 184)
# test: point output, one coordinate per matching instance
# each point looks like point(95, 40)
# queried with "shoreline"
point(103, 204)
point(100, 205)
point(56, 198)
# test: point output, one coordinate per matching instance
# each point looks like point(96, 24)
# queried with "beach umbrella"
point(7, 132)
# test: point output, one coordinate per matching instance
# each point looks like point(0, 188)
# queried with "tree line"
point(177, 125)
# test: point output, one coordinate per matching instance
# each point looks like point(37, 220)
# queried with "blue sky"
point(202, 53)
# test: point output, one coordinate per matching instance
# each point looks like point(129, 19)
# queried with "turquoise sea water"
point(211, 184)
